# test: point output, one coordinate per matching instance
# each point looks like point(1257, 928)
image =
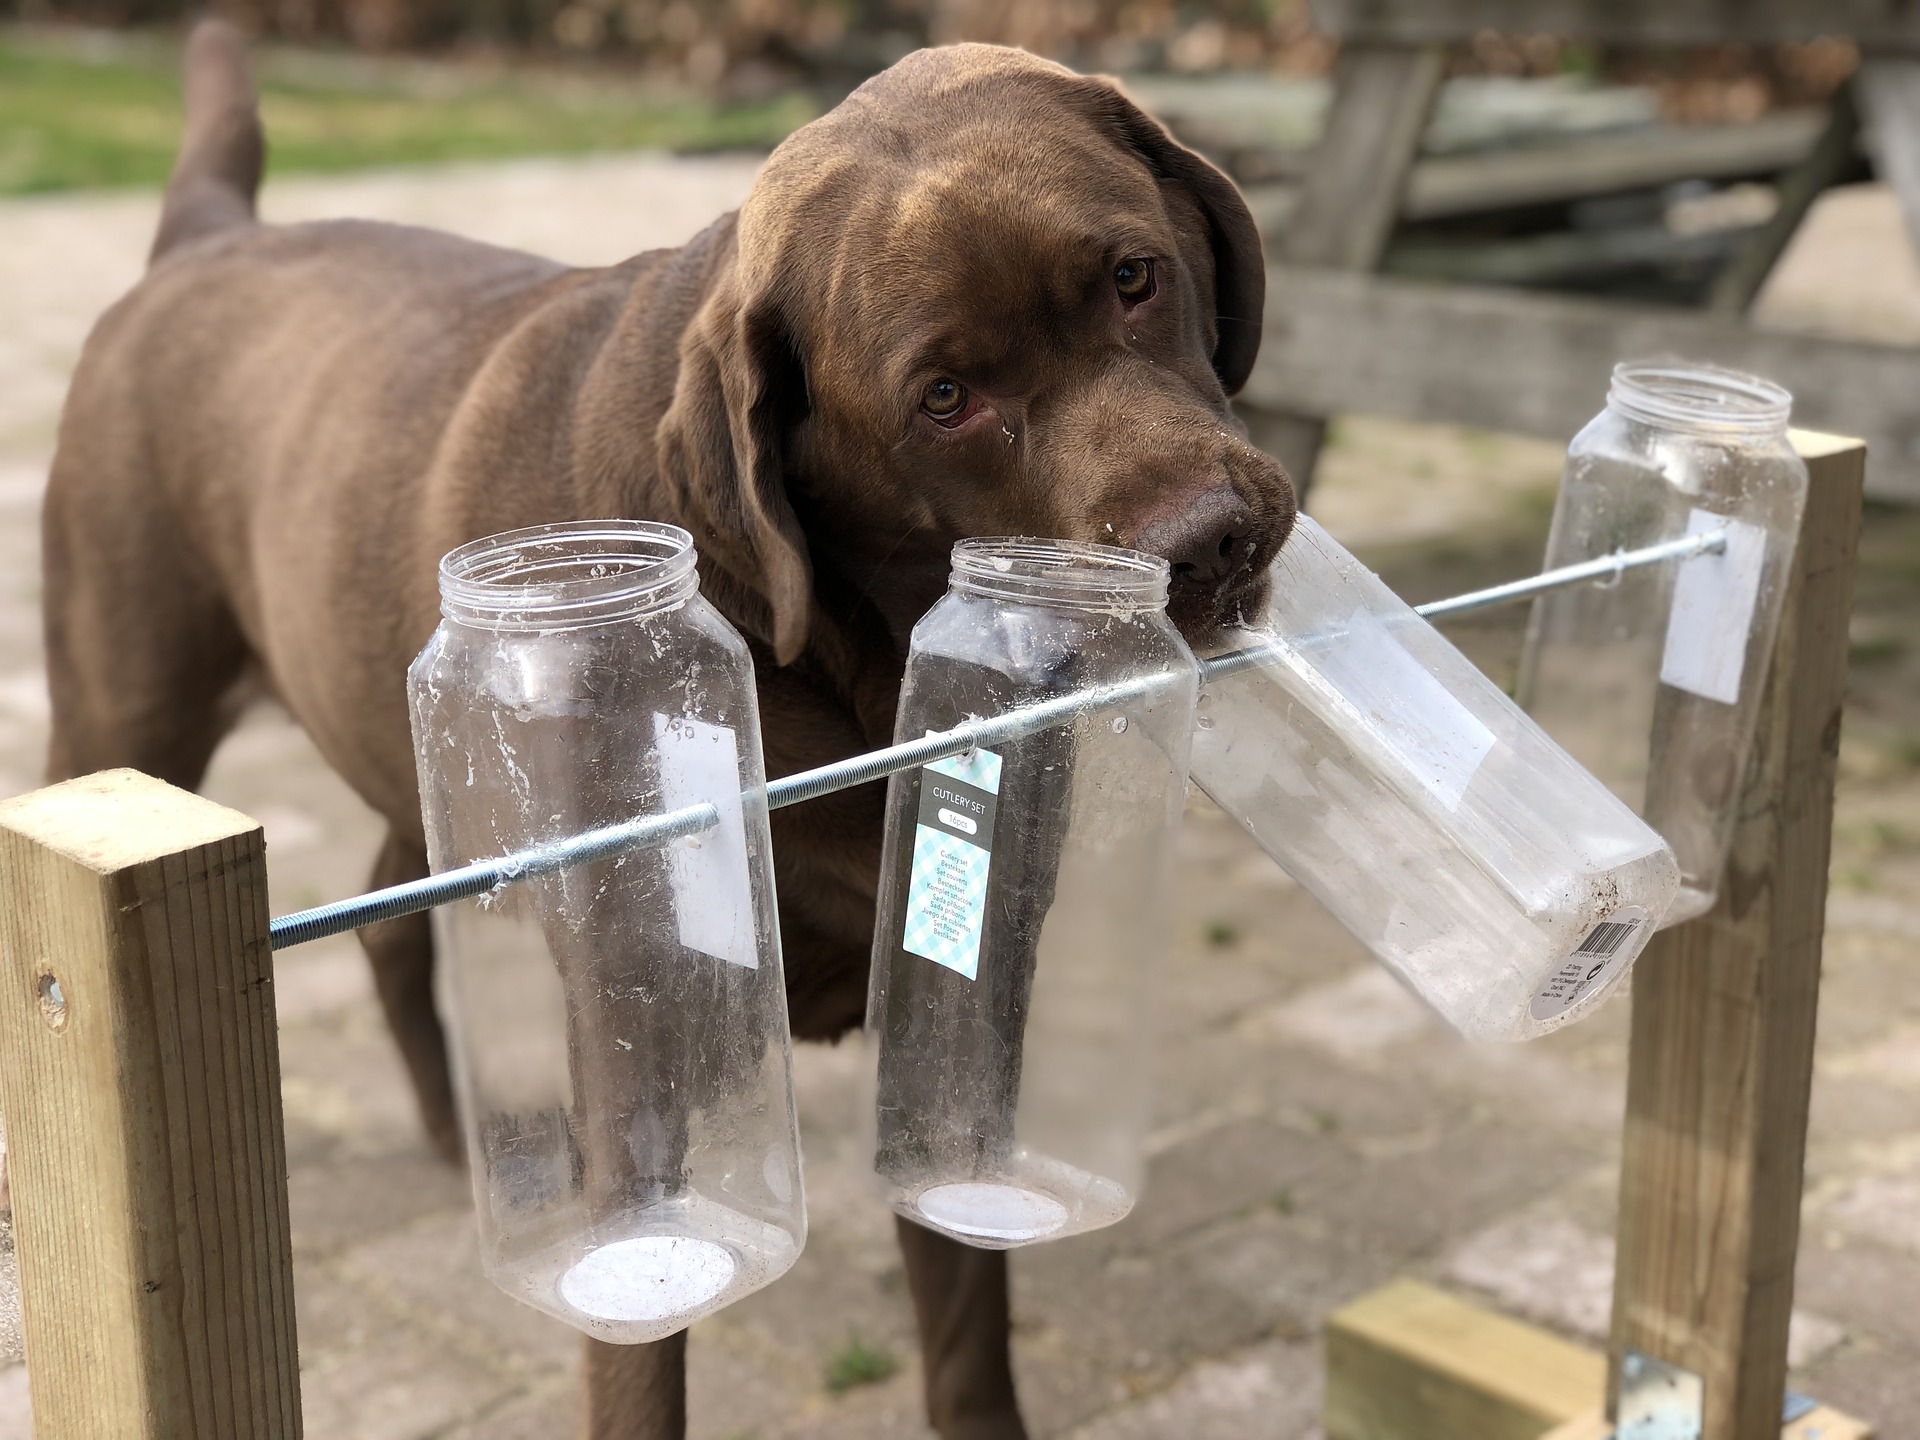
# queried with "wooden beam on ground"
point(1820, 1423)
point(1409, 1362)
point(1874, 24)
point(1720, 1063)
point(140, 1072)
point(1539, 364)
point(1382, 100)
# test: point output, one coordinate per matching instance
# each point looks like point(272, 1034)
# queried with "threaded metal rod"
point(484, 876)
point(1606, 569)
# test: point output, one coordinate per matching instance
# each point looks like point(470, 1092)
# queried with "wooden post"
point(1889, 92)
point(141, 1080)
point(1382, 99)
point(1721, 1059)
point(1823, 167)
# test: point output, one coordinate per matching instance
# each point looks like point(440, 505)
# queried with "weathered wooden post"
point(141, 1078)
point(1721, 1060)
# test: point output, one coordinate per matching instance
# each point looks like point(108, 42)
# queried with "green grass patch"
point(1879, 650)
point(858, 1363)
point(75, 116)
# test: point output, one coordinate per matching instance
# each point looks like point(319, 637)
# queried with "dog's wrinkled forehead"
point(945, 175)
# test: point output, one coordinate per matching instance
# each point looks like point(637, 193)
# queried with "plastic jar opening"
point(556, 577)
point(1072, 574)
point(1699, 398)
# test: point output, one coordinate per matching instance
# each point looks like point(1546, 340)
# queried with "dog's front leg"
point(401, 953)
point(637, 1392)
point(960, 1299)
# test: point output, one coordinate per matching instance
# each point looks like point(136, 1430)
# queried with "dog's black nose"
point(1207, 541)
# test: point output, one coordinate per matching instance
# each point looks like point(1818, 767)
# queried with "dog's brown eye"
point(944, 399)
point(1134, 279)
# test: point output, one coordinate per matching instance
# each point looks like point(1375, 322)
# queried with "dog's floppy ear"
point(739, 390)
point(1239, 267)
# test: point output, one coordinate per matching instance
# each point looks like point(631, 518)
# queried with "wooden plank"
point(1820, 1423)
point(1382, 100)
point(1607, 165)
point(1409, 1362)
point(1593, 1425)
point(139, 1068)
point(1889, 96)
point(1825, 1423)
point(1829, 161)
point(1561, 257)
point(1539, 364)
point(1720, 1064)
point(1875, 24)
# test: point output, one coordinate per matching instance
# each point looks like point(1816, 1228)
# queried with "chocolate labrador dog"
point(985, 295)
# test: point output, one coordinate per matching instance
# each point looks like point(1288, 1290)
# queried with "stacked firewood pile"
point(756, 45)
point(705, 41)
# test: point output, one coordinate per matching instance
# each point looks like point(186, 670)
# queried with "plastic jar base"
point(992, 1212)
point(651, 1278)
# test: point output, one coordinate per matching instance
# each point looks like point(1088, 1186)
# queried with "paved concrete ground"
point(1317, 1133)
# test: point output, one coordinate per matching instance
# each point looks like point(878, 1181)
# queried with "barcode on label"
point(1603, 953)
point(1606, 938)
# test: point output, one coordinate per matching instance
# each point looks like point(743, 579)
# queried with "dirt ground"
point(1317, 1133)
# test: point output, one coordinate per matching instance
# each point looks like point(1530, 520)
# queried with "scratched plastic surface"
point(619, 1029)
point(1500, 881)
point(1024, 896)
point(1655, 682)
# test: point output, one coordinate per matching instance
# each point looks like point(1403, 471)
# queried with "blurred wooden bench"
point(1342, 338)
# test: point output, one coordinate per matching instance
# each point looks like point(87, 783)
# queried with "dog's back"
point(258, 425)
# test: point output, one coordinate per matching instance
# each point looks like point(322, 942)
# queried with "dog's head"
point(984, 296)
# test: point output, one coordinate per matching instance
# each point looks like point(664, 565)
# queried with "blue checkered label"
point(952, 854)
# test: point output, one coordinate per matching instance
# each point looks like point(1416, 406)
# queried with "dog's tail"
point(218, 172)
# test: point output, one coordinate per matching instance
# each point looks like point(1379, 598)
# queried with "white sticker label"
point(1436, 737)
point(712, 892)
point(1713, 600)
point(952, 857)
point(1601, 954)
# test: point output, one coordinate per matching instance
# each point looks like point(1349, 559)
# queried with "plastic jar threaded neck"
point(1700, 399)
point(562, 577)
point(1070, 574)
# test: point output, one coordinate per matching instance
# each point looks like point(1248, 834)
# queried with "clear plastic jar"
point(1654, 682)
point(1475, 859)
point(619, 1028)
point(1024, 894)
